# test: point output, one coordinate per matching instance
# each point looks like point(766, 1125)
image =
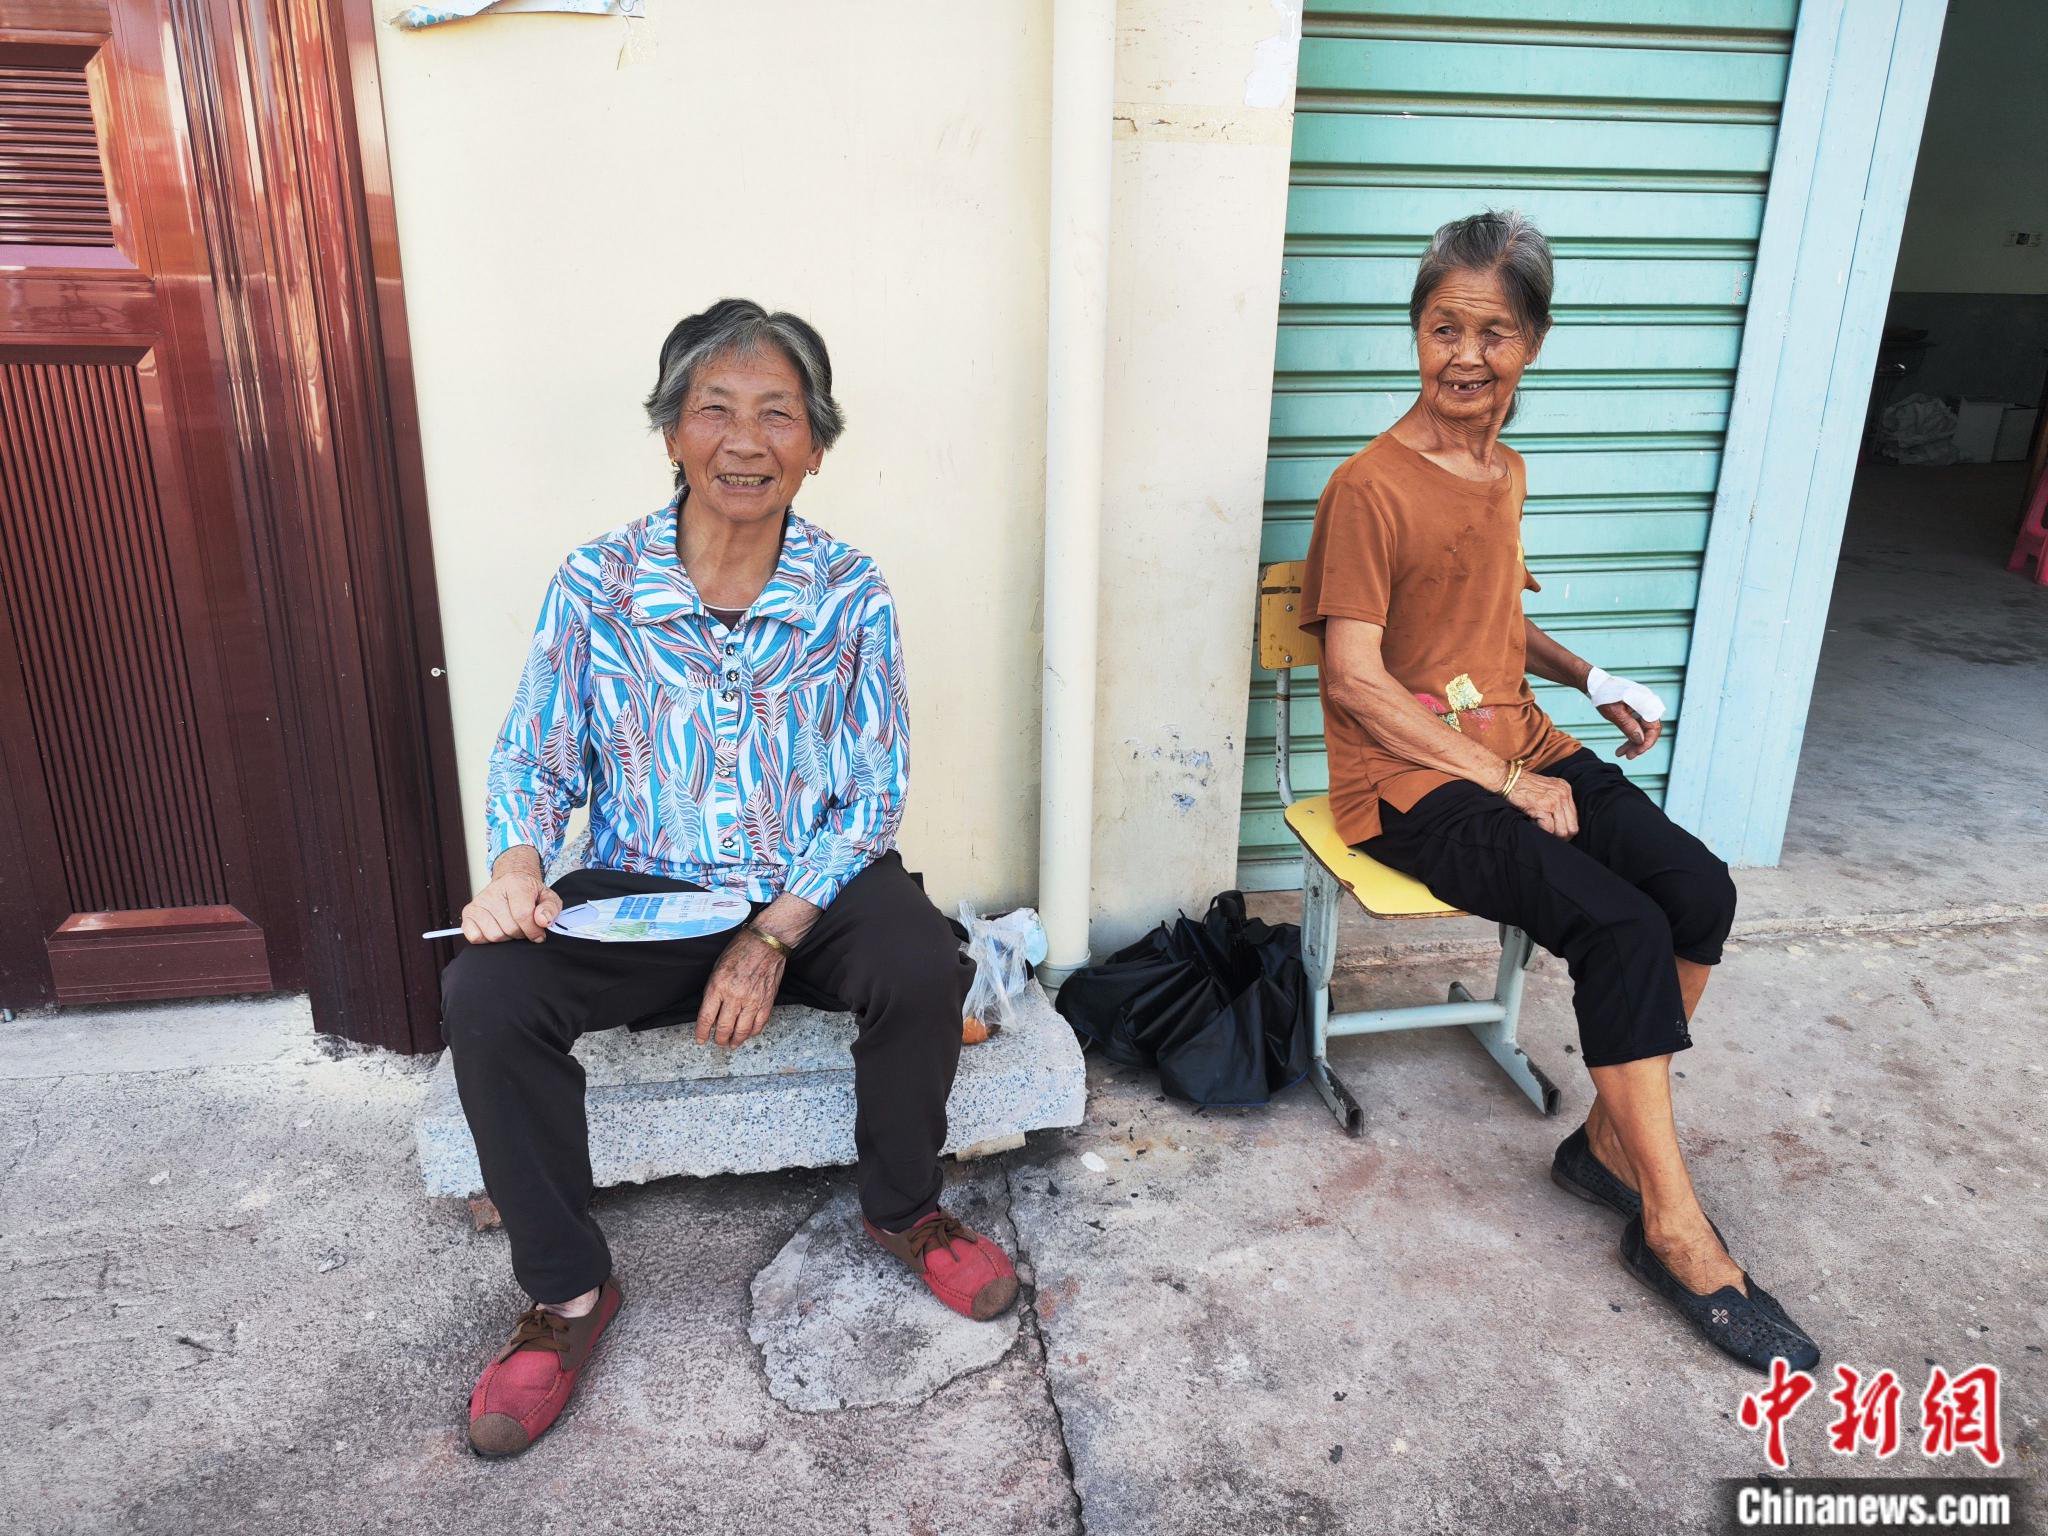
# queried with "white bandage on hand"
point(1605, 688)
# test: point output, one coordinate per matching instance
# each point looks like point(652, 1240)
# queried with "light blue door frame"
point(1847, 142)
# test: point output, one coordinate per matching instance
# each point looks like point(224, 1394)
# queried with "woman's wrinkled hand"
point(1547, 802)
point(741, 993)
point(1642, 735)
point(515, 905)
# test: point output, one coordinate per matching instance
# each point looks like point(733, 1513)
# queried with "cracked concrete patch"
point(196, 1368)
point(1034, 1327)
point(841, 1324)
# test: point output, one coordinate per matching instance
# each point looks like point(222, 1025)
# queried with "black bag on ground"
point(1220, 1008)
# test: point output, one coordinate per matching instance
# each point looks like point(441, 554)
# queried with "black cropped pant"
point(1620, 903)
point(511, 1011)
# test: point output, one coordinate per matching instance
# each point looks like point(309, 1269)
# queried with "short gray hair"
point(736, 327)
point(1503, 242)
point(1494, 241)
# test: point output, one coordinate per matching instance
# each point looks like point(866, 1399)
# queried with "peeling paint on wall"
point(415, 17)
point(1172, 123)
point(1271, 82)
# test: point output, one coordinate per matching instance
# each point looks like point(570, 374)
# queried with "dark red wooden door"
point(143, 846)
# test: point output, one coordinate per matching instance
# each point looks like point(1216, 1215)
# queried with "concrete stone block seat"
point(660, 1104)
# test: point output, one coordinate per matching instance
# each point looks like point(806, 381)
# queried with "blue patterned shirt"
point(765, 758)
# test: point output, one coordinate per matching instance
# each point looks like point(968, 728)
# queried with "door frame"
point(286, 128)
point(1843, 167)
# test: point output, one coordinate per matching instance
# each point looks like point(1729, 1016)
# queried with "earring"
point(810, 471)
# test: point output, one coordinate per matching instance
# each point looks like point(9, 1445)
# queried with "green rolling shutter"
point(1638, 135)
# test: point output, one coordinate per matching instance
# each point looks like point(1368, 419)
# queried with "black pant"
point(511, 1011)
point(1620, 903)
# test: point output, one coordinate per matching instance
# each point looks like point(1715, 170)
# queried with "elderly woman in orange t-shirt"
point(1443, 766)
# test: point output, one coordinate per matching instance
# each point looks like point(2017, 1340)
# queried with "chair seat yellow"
point(1381, 891)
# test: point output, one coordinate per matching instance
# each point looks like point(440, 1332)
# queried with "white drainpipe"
point(1077, 341)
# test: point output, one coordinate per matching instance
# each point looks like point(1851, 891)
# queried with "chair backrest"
point(1382, 891)
point(1282, 644)
point(1283, 647)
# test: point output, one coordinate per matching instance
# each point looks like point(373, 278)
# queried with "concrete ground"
point(232, 1310)
point(1919, 788)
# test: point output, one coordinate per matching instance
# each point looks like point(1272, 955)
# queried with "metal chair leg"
point(1516, 950)
point(1319, 906)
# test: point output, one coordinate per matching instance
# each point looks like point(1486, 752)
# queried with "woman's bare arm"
point(1554, 664)
point(1356, 677)
point(1551, 661)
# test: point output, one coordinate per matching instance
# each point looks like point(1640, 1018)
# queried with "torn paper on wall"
point(414, 17)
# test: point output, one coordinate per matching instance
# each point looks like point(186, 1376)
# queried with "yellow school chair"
point(1329, 866)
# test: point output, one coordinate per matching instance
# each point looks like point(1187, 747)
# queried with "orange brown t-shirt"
point(1402, 542)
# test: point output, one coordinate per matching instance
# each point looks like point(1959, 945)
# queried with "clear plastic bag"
point(1003, 949)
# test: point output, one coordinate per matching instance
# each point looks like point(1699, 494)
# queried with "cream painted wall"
point(567, 187)
point(1200, 205)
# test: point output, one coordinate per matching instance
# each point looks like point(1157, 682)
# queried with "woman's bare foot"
point(1683, 1240)
point(1632, 1103)
point(1606, 1144)
point(1688, 1247)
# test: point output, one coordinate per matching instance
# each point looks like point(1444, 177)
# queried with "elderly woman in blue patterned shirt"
point(722, 681)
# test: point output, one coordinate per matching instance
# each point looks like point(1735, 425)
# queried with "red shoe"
point(965, 1270)
point(526, 1388)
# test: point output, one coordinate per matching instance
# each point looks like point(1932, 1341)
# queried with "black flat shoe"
point(1574, 1169)
point(1753, 1329)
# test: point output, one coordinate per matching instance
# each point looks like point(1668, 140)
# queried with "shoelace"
point(942, 1231)
point(540, 1329)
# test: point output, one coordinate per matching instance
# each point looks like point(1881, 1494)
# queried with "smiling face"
point(743, 439)
point(1471, 350)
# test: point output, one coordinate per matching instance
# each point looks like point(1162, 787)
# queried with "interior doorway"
point(1919, 777)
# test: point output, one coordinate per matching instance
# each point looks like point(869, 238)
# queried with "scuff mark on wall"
point(1173, 123)
point(1271, 82)
point(1193, 761)
point(1194, 767)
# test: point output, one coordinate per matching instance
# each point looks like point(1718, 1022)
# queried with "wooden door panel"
point(26, 18)
point(53, 183)
point(85, 574)
point(245, 579)
point(52, 313)
point(124, 576)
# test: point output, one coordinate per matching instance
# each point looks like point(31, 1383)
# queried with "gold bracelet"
point(1514, 776)
point(771, 941)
